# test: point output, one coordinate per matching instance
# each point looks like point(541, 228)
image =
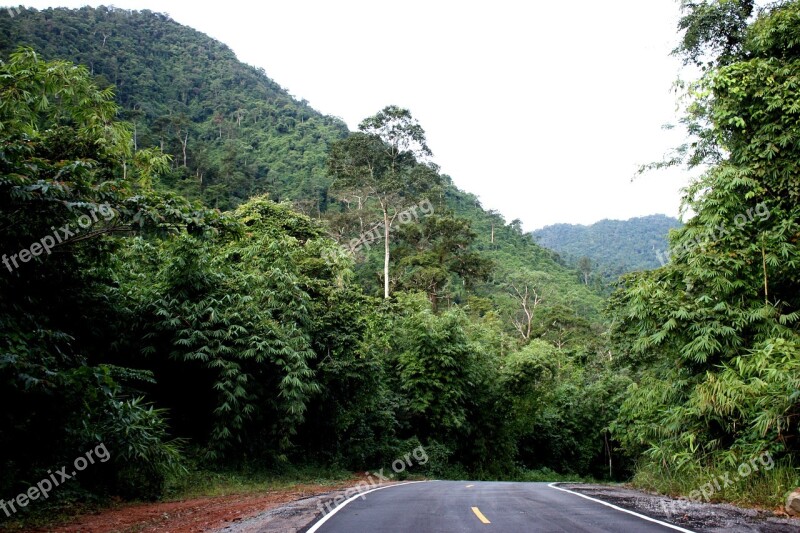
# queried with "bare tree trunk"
point(525, 325)
point(185, 142)
point(385, 253)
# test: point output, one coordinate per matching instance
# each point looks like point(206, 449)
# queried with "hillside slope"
point(232, 132)
point(614, 246)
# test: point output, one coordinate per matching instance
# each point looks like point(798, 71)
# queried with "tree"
point(714, 30)
point(585, 266)
point(236, 315)
point(383, 163)
point(714, 331)
point(63, 163)
point(525, 289)
point(436, 367)
point(435, 253)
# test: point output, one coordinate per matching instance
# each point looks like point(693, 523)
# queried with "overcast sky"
point(543, 109)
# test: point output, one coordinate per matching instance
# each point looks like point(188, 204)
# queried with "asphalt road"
point(464, 506)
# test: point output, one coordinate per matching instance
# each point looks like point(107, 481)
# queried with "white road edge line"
point(643, 517)
point(352, 498)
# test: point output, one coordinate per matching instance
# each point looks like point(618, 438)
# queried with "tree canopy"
point(188, 276)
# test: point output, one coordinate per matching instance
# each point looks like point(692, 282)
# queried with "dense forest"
point(199, 272)
point(607, 249)
point(232, 132)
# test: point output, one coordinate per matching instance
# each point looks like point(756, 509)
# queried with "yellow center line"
point(480, 516)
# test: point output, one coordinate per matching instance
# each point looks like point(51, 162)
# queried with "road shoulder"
point(296, 516)
point(699, 517)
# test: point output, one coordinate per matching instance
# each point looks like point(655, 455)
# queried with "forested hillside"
point(614, 247)
point(199, 274)
point(398, 314)
point(173, 83)
point(231, 131)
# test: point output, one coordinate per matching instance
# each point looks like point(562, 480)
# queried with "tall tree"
point(713, 30)
point(386, 162)
point(436, 253)
point(585, 266)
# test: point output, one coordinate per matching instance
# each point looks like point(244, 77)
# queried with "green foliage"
point(434, 364)
point(561, 409)
point(713, 30)
point(434, 256)
point(62, 152)
point(249, 337)
point(714, 335)
point(612, 247)
point(143, 457)
point(238, 312)
point(231, 132)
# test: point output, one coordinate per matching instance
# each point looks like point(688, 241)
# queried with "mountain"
point(231, 131)
point(234, 133)
point(614, 246)
point(294, 324)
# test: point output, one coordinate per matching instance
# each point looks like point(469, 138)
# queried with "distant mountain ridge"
point(614, 246)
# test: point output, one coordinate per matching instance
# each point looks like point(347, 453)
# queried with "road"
point(464, 506)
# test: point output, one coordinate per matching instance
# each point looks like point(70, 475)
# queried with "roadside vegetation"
point(216, 351)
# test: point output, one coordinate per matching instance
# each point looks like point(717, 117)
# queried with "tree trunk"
point(185, 142)
point(385, 253)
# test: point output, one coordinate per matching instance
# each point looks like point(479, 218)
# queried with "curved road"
point(465, 506)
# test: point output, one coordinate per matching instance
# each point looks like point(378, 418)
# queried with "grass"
point(200, 483)
point(518, 475)
point(766, 488)
point(545, 474)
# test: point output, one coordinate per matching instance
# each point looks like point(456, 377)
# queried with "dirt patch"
point(700, 517)
point(295, 517)
point(197, 514)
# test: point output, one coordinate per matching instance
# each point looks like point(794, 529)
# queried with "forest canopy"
point(200, 272)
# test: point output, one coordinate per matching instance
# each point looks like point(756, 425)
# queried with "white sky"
point(543, 109)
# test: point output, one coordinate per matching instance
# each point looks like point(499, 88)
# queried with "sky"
point(544, 110)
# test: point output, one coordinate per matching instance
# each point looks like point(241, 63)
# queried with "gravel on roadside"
point(695, 516)
point(293, 517)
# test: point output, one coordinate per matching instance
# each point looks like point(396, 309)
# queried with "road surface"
point(464, 506)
